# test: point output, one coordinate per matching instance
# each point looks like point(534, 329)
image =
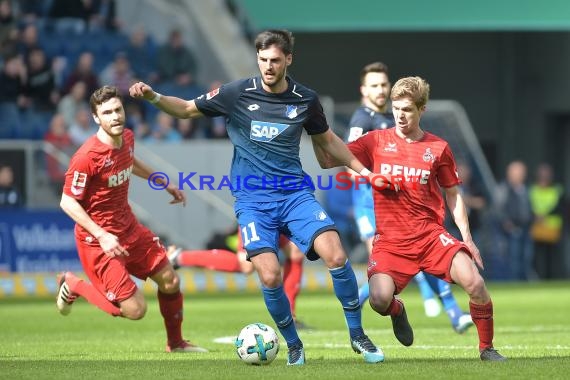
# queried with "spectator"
point(515, 214)
point(141, 51)
point(13, 82)
point(69, 15)
point(72, 102)
point(102, 15)
point(32, 11)
point(547, 199)
point(475, 203)
point(82, 128)
point(134, 114)
point(135, 121)
point(41, 82)
point(176, 63)
point(164, 129)
point(83, 72)
point(8, 28)
point(10, 196)
point(58, 137)
point(143, 132)
point(119, 74)
point(28, 40)
point(217, 125)
point(186, 128)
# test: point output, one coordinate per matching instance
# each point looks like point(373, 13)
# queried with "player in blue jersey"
point(266, 116)
point(375, 113)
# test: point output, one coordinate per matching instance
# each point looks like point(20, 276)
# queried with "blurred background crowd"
point(54, 53)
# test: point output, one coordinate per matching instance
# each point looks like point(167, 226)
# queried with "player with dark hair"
point(111, 243)
point(265, 117)
point(375, 113)
point(409, 212)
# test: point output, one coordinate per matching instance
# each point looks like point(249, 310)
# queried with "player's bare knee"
point(134, 311)
point(479, 291)
point(379, 302)
point(475, 287)
point(270, 279)
point(246, 267)
point(335, 261)
point(173, 285)
point(169, 282)
point(138, 313)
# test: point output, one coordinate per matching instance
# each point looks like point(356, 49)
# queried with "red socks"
point(171, 310)
point(292, 273)
point(482, 316)
point(213, 259)
point(394, 309)
point(91, 294)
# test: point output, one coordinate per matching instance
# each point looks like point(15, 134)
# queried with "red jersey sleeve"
point(447, 170)
point(362, 149)
point(78, 176)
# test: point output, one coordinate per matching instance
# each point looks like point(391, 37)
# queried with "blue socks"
point(443, 290)
point(280, 310)
point(363, 293)
point(425, 287)
point(346, 290)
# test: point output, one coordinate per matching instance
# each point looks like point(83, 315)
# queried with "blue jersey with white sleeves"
point(364, 120)
point(265, 129)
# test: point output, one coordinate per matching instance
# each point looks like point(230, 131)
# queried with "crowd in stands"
point(55, 53)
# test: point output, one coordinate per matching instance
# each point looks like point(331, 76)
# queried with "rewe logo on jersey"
point(264, 131)
point(120, 177)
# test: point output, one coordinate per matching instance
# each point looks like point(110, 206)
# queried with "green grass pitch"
point(531, 329)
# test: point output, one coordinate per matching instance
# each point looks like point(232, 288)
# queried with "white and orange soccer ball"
point(257, 344)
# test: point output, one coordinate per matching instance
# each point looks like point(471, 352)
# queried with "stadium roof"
point(410, 15)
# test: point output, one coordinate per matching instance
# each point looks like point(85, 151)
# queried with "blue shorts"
point(364, 217)
point(300, 217)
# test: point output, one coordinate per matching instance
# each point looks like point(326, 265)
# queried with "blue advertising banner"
point(34, 241)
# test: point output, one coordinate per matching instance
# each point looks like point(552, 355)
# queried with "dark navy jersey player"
point(374, 113)
point(266, 130)
point(364, 119)
point(265, 117)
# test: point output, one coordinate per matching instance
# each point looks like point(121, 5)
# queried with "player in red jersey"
point(111, 243)
point(223, 260)
point(410, 168)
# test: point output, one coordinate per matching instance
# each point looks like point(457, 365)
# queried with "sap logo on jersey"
point(264, 131)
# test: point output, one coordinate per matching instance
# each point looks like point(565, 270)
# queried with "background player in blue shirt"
point(375, 113)
point(265, 118)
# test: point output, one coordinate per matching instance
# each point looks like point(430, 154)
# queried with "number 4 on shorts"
point(446, 240)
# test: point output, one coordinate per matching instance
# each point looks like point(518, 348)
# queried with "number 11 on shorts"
point(245, 234)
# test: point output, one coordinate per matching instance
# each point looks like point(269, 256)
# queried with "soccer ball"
point(257, 344)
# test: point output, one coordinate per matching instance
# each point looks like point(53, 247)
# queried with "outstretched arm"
point(179, 108)
point(331, 152)
point(140, 169)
